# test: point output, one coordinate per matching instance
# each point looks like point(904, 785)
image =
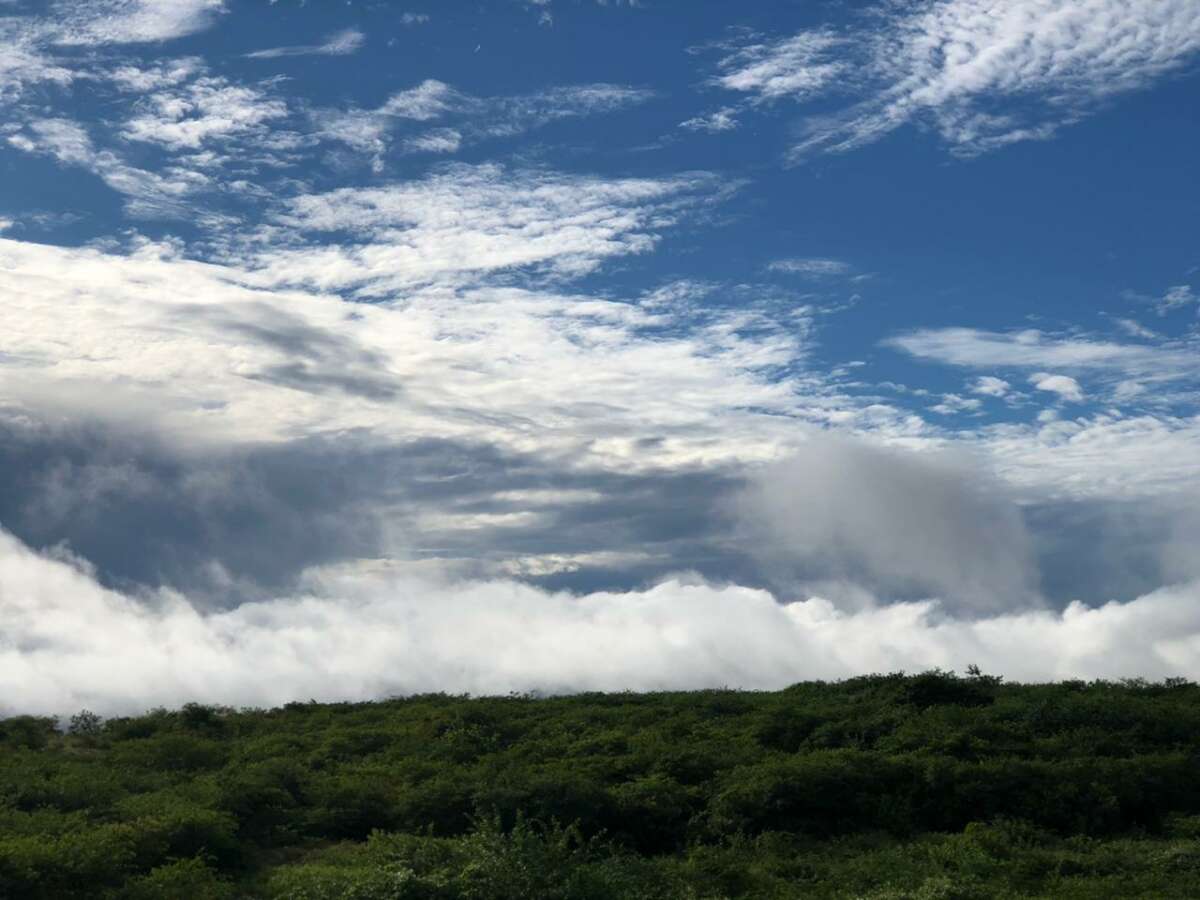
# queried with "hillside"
point(892, 786)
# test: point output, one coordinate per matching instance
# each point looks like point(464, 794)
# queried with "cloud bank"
point(355, 634)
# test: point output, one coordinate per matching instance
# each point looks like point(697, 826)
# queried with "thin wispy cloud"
point(813, 267)
point(341, 43)
point(795, 67)
point(31, 47)
point(982, 76)
point(471, 118)
point(204, 110)
point(723, 119)
point(149, 194)
point(1120, 367)
point(1178, 297)
point(99, 22)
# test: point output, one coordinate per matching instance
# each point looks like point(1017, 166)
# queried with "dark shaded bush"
point(938, 688)
point(27, 732)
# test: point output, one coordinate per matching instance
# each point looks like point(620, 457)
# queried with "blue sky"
point(619, 320)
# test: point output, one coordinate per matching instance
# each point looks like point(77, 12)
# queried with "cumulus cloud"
point(983, 76)
point(1066, 387)
point(353, 634)
point(990, 386)
point(340, 43)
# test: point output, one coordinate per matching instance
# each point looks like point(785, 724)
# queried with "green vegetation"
point(928, 786)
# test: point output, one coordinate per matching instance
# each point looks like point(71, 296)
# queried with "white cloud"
point(1102, 456)
point(1109, 362)
point(813, 267)
point(794, 67)
point(23, 60)
point(1066, 387)
point(150, 194)
point(130, 21)
point(1137, 329)
point(723, 119)
point(521, 113)
point(464, 220)
point(951, 404)
point(143, 79)
point(340, 43)
point(30, 46)
point(206, 109)
point(990, 386)
point(439, 140)
point(354, 635)
point(983, 75)
point(216, 354)
point(472, 118)
point(1176, 297)
point(410, 19)
point(428, 100)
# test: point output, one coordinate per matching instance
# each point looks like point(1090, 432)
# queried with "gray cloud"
point(231, 525)
point(901, 524)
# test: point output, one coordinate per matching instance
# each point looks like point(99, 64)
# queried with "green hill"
point(885, 786)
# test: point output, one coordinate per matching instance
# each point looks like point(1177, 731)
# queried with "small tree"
point(86, 723)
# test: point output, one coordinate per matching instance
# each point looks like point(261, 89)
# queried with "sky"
point(357, 349)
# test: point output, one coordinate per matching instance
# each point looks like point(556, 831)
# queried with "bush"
point(183, 878)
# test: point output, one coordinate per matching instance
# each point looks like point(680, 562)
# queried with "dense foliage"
point(928, 786)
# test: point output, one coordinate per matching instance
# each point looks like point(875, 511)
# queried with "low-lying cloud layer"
point(356, 634)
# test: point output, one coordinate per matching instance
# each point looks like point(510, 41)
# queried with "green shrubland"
point(880, 787)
